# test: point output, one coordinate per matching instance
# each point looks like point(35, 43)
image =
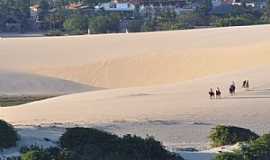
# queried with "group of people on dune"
point(232, 88)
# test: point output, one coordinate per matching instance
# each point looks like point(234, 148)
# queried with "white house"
point(117, 7)
point(237, 3)
point(217, 3)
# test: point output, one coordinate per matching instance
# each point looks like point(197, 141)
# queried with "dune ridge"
point(152, 77)
point(139, 59)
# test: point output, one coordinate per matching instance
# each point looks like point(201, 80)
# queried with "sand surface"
point(158, 82)
point(24, 84)
point(141, 59)
point(180, 115)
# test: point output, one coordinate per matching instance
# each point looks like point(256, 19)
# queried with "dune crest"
point(139, 59)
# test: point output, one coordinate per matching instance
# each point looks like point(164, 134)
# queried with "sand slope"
point(142, 59)
point(166, 77)
point(17, 84)
point(179, 115)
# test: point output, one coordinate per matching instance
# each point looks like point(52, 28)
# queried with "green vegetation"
point(54, 18)
point(35, 155)
point(6, 101)
point(92, 144)
point(229, 156)
point(228, 135)
point(8, 135)
point(258, 149)
point(76, 25)
point(104, 23)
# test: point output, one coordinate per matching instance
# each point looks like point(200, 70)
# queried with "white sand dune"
point(160, 80)
point(141, 59)
point(179, 115)
point(23, 84)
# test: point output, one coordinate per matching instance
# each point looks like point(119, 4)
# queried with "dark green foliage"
point(36, 152)
point(55, 33)
point(92, 144)
point(76, 25)
point(229, 156)
point(16, 11)
point(228, 135)
point(105, 23)
point(8, 135)
point(35, 155)
point(54, 15)
point(81, 137)
point(234, 21)
point(258, 149)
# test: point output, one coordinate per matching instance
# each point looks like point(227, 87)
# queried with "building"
point(116, 7)
point(259, 4)
point(34, 12)
point(216, 3)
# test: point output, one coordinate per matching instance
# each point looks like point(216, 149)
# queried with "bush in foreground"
point(258, 149)
point(92, 144)
point(8, 135)
point(229, 156)
point(228, 135)
point(35, 155)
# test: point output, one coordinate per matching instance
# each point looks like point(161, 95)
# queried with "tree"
point(8, 135)
point(104, 23)
point(228, 135)
point(229, 156)
point(76, 25)
point(93, 144)
point(93, 3)
point(35, 155)
point(266, 15)
point(258, 149)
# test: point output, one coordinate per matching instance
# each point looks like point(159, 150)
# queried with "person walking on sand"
point(232, 89)
point(218, 93)
point(247, 84)
point(244, 84)
point(211, 93)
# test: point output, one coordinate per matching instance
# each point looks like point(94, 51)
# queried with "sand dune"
point(179, 115)
point(141, 59)
point(18, 84)
point(159, 81)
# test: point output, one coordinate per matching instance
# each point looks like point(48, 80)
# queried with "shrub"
point(229, 156)
point(8, 135)
point(76, 25)
point(54, 33)
point(92, 144)
point(35, 155)
point(258, 149)
point(228, 135)
point(134, 147)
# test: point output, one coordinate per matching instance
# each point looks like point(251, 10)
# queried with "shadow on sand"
point(247, 97)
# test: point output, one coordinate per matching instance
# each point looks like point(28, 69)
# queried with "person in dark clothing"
point(232, 89)
point(247, 84)
point(218, 93)
point(211, 93)
point(244, 84)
